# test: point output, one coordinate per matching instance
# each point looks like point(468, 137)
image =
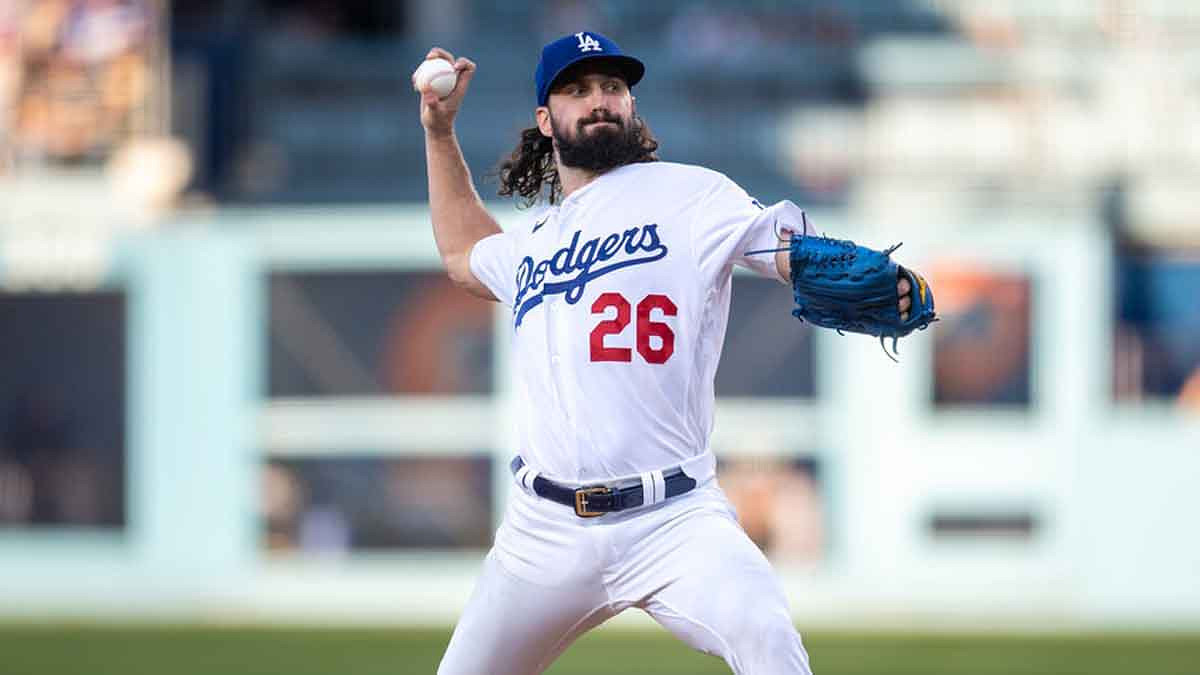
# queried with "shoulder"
point(520, 223)
point(677, 171)
point(536, 218)
point(679, 178)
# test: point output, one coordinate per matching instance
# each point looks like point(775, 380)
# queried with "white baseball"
point(436, 74)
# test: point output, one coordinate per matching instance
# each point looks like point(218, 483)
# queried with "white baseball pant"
point(552, 576)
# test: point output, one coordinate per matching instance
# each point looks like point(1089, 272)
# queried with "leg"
point(702, 578)
point(513, 627)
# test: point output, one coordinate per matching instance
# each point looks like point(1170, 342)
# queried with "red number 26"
point(646, 328)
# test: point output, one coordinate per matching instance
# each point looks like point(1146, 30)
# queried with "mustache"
point(600, 116)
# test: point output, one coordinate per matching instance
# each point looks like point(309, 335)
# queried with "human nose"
point(595, 98)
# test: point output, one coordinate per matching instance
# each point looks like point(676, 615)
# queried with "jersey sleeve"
point(729, 224)
point(493, 261)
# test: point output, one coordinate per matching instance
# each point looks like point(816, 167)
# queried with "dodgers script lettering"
point(573, 266)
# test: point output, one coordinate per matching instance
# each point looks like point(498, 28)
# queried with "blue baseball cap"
point(571, 49)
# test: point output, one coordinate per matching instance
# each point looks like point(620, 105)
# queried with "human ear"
point(542, 114)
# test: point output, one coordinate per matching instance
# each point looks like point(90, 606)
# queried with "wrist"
point(439, 135)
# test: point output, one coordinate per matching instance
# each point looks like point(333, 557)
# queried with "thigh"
point(513, 627)
point(702, 578)
point(539, 590)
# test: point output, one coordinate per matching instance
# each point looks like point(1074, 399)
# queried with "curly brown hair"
point(530, 169)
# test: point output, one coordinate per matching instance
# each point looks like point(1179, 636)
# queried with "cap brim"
point(631, 69)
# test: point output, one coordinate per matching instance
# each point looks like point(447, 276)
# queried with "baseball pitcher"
point(619, 291)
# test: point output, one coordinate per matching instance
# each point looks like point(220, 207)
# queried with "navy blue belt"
point(590, 501)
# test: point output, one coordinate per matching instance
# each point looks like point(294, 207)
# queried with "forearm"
point(458, 215)
point(783, 261)
point(783, 258)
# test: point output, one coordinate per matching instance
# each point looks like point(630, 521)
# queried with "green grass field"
point(194, 650)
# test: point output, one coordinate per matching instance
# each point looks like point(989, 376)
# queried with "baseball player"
point(619, 295)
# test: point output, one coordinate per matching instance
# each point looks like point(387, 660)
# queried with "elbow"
point(458, 268)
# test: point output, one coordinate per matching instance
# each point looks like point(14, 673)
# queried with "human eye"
point(612, 86)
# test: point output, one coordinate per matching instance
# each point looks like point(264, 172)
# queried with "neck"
point(572, 178)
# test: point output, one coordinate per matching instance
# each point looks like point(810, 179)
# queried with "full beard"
point(600, 149)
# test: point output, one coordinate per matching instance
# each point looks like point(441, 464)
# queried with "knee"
point(774, 632)
point(769, 643)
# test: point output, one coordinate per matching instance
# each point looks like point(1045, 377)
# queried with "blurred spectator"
point(779, 501)
point(1189, 397)
point(10, 75)
point(279, 508)
point(324, 530)
point(988, 28)
point(149, 175)
point(16, 493)
point(102, 31)
point(82, 76)
point(62, 454)
point(44, 478)
point(1156, 354)
point(981, 349)
point(47, 475)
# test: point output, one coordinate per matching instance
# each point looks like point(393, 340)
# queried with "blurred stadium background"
point(238, 397)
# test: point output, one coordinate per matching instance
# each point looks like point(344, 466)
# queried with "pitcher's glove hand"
point(841, 285)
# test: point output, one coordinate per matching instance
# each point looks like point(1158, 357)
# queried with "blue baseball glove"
point(840, 285)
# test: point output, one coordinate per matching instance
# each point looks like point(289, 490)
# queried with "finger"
point(904, 316)
point(439, 53)
point(905, 304)
point(429, 97)
point(903, 287)
point(465, 70)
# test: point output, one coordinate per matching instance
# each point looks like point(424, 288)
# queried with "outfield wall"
point(1070, 511)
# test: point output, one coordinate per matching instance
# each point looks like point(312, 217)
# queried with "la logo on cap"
point(587, 43)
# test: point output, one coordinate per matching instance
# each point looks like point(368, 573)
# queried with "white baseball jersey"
point(620, 298)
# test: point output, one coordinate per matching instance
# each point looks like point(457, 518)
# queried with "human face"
point(590, 116)
point(585, 99)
